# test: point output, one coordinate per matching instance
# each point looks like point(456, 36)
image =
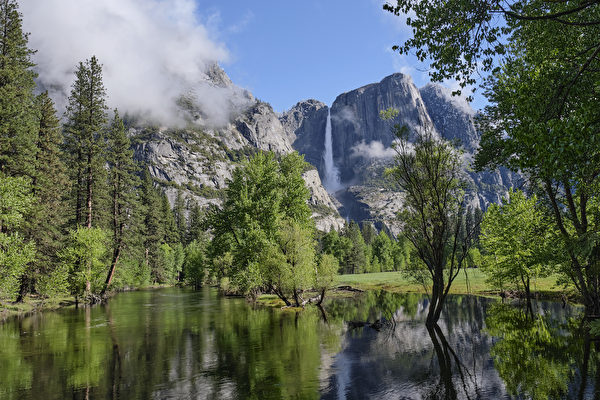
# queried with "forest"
point(222, 290)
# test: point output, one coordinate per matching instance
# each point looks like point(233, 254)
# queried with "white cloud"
point(347, 114)
point(152, 51)
point(374, 149)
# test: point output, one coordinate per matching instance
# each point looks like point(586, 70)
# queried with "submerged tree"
point(429, 172)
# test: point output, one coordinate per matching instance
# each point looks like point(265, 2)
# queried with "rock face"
point(361, 143)
point(197, 161)
point(357, 129)
point(305, 127)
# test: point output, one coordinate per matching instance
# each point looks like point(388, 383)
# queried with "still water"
point(181, 344)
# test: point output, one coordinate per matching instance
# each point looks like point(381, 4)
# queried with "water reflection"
point(542, 357)
point(182, 344)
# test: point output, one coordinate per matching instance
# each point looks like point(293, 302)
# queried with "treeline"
point(361, 249)
point(77, 214)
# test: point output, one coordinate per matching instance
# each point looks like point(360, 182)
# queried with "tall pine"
point(84, 140)
point(47, 221)
point(17, 100)
point(179, 212)
point(153, 231)
point(123, 182)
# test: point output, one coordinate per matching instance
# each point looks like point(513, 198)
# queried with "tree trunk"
point(90, 180)
point(437, 298)
point(23, 288)
point(113, 266)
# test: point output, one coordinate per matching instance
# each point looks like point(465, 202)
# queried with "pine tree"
point(47, 222)
point(356, 260)
point(153, 229)
point(86, 117)
point(196, 230)
point(17, 101)
point(179, 211)
point(122, 189)
point(170, 226)
point(368, 232)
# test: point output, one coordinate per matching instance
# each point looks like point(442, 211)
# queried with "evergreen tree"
point(368, 232)
point(196, 229)
point(47, 222)
point(122, 188)
point(153, 231)
point(179, 211)
point(171, 233)
point(383, 250)
point(86, 116)
point(17, 101)
point(355, 260)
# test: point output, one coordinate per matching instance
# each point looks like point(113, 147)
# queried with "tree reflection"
point(451, 368)
point(541, 358)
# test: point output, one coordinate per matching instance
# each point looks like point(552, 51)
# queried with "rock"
point(362, 143)
point(305, 127)
point(198, 160)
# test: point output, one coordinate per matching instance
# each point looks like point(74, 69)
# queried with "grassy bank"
point(471, 281)
point(33, 304)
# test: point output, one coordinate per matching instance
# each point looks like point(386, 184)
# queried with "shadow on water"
point(177, 343)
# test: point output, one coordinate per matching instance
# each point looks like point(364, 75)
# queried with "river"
point(183, 344)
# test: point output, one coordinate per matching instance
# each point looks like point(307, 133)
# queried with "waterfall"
point(332, 174)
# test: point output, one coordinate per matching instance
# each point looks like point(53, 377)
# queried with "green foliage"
point(15, 202)
point(355, 259)
point(85, 145)
point(46, 222)
point(170, 263)
point(429, 172)
point(123, 193)
point(15, 252)
point(265, 201)
point(17, 100)
point(327, 269)
point(179, 214)
point(289, 267)
point(383, 252)
point(515, 237)
point(196, 263)
point(533, 356)
point(368, 232)
point(543, 117)
point(86, 258)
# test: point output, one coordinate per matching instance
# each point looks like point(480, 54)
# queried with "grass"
point(470, 281)
point(33, 304)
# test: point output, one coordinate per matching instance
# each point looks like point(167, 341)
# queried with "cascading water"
point(332, 174)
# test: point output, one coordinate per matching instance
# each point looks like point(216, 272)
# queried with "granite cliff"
point(361, 143)
point(198, 158)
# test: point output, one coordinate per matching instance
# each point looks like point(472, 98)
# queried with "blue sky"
point(287, 51)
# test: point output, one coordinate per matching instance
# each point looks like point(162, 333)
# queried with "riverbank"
point(471, 281)
point(32, 303)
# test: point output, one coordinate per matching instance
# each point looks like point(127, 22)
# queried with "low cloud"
point(152, 51)
point(372, 150)
point(346, 114)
